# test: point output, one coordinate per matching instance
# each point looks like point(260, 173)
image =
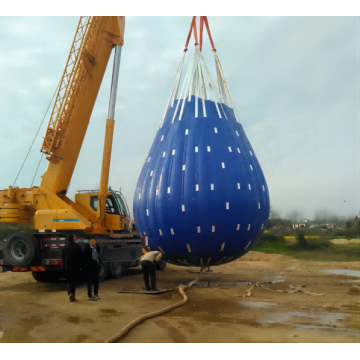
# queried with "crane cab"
point(117, 214)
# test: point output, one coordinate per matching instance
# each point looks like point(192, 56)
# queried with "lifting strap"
point(192, 26)
point(203, 19)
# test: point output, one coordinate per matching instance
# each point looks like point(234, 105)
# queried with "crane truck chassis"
point(41, 253)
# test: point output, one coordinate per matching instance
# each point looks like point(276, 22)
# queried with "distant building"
point(330, 226)
point(299, 226)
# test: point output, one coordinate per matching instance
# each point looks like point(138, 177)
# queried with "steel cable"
point(36, 136)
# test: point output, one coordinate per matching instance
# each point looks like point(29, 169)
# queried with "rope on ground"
point(294, 290)
point(248, 293)
point(127, 328)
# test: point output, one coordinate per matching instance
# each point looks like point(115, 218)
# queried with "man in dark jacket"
point(71, 257)
point(93, 264)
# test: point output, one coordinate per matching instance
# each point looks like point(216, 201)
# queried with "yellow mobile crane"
point(94, 213)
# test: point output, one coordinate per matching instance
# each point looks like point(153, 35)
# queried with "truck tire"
point(115, 270)
point(102, 272)
point(46, 276)
point(161, 265)
point(21, 249)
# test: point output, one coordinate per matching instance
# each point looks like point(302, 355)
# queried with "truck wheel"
point(161, 265)
point(102, 273)
point(115, 270)
point(21, 249)
point(46, 276)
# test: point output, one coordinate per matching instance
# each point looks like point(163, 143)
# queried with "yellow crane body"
point(48, 204)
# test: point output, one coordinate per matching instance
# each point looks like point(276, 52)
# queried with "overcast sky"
point(294, 81)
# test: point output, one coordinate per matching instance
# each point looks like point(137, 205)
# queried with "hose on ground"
point(127, 328)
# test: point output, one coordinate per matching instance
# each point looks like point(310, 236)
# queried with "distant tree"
point(325, 216)
point(295, 215)
point(274, 214)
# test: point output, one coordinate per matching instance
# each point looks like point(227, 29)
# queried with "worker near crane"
point(93, 264)
point(148, 265)
point(71, 257)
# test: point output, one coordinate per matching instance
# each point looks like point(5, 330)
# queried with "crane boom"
point(86, 64)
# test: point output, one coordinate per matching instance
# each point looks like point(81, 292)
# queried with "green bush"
point(269, 237)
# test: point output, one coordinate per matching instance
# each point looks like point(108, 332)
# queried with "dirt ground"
point(215, 312)
point(345, 241)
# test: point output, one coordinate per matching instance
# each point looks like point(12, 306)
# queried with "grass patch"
point(318, 249)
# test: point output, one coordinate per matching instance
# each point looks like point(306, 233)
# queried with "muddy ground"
point(215, 312)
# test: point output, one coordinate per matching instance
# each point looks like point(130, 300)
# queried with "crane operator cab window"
point(110, 207)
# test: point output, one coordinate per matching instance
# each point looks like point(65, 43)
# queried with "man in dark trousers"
point(93, 264)
point(148, 265)
point(71, 257)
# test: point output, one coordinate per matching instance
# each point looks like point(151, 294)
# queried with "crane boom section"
point(86, 64)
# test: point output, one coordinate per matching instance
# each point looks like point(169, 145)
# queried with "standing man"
point(71, 257)
point(148, 265)
point(93, 263)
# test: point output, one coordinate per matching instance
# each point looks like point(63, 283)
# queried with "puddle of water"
point(277, 279)
point(256, 304)
point(21, 333)
point(355, 273)
point(318, 320)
